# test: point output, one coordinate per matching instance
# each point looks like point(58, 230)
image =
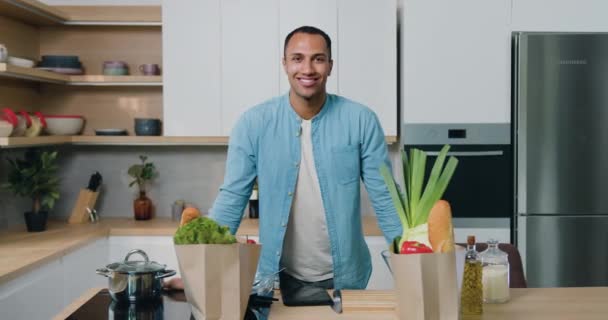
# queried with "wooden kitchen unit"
point(95, 34)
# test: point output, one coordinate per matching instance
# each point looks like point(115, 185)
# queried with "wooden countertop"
point(531, 303)
point(22, 251)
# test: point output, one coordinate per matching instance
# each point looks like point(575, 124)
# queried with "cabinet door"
point(322, 14)
point(191, 66)
point(78, 270)
point(367, 51)
point(456, 61)
point(34, 295)
point(250, 59)
point(564, 16)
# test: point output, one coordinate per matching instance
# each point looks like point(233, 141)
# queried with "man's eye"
point(320, 59)
point(296, 59)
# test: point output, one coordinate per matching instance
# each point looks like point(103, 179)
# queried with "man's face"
point(307, 65)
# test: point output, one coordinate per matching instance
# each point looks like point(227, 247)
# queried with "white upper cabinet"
point(567, 16)
point(367, 52)
point(222, 57)
point(250, 57)
point(455, 60)
point(318, 13)
point(191, 67)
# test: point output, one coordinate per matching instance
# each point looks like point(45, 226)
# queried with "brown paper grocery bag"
point(218, 278)
point(426, 286)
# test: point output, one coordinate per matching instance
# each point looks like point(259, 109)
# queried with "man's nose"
point(307, 67)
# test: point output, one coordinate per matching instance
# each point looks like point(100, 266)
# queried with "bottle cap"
point(470, 240)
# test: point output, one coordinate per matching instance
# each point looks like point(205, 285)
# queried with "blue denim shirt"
point(348, 145)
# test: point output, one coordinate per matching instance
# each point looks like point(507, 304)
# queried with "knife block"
point(86, 199)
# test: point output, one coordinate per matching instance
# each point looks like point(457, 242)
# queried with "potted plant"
point(141, 173)
point(35, 176)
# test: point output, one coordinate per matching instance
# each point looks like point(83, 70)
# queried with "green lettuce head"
point(203, 230)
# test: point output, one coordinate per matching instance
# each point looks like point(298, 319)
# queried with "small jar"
point(495, 274)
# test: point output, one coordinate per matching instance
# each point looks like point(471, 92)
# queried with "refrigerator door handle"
point(469, 153)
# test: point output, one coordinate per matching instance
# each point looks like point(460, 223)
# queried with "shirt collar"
point(326, 106)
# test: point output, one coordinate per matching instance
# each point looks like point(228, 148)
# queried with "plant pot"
point(142, 207)
point(36, 222)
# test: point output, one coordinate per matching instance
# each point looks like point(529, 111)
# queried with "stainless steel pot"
point(135, 281)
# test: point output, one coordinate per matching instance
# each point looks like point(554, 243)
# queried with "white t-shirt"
point(306, 249)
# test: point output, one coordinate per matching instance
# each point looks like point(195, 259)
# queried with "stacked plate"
point(61, 64)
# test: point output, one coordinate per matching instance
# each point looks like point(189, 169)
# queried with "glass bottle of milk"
point(495, 274)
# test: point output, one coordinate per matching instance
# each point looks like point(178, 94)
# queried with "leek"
point(414, 203)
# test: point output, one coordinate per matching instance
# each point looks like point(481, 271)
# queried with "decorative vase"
point(36, 222)
point(142, 207)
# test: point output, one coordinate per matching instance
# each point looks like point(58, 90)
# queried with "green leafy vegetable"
point(414, 204)
point(203, 230)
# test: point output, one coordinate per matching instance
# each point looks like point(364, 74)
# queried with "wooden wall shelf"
point(32, 74)
point(21, 142)
point(148, 141)
point(43, 76)
point(39, 14)
point(100, 80)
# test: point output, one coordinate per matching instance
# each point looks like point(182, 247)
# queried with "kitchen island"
point(530, 303)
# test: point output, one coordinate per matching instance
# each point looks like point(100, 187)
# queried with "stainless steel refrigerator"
point(560, 100)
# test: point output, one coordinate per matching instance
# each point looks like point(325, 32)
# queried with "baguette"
point(441, 231)
point(189, 214)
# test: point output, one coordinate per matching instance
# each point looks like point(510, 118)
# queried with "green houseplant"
point(35, 176)
point(141, 174)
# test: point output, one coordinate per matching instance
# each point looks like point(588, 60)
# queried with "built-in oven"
point(482, 188)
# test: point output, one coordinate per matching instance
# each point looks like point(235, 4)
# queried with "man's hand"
point(174, 283)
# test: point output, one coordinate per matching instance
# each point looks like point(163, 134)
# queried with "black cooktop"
point(172, 305)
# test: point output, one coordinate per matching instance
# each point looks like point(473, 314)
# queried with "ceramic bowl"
point(111, 132)
point(8, 121)
point(115, 71)
point(115, 64)
point(147, 127)
point(64, 125)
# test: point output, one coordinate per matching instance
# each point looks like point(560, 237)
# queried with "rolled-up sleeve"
point(374, 154)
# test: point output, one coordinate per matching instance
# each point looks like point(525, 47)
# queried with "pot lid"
point(136, 266)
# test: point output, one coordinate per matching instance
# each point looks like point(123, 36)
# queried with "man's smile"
point(307, 81)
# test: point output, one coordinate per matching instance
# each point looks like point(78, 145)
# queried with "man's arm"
point(373, 153)
point(240, 174)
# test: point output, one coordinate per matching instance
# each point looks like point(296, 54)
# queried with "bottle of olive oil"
point(471, 295)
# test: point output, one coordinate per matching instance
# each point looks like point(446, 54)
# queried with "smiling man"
point(309, 150)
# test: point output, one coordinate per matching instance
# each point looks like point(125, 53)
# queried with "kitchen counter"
point(529, 303)
point(22, 251)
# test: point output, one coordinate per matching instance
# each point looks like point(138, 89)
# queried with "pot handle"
point(138, 251)
point(104, 272)
point(167, 273)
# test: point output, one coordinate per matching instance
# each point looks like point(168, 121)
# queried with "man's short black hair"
point(309, 30)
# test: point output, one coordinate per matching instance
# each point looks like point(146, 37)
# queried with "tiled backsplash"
point(192, 173)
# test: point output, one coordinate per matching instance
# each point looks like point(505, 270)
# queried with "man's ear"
point(331, 66)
